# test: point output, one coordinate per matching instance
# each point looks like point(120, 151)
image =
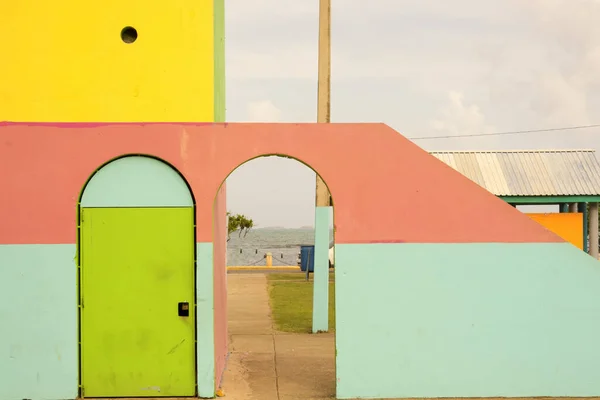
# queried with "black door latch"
point(183, 309)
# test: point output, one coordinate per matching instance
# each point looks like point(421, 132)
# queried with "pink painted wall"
point(363, 165)
point(220, 283)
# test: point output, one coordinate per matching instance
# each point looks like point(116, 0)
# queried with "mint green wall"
point(320, 320)
point(38, 329)
point(136, 181)
point(38, 322)
point(205, 320)
point(467, 320)
point(413, 320)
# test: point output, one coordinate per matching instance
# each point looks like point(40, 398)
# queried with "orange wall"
point(568, 226)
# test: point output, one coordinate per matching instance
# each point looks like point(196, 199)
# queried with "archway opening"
point(270, 284)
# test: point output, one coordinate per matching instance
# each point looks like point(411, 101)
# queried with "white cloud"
point(278, 39)
point(263, 111)
point(560, 100)
point(458, 118)
point(296, 61)
point(570, 74)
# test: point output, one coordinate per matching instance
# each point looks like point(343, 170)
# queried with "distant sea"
point(283, 243)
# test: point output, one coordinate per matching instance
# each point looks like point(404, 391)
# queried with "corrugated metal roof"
point(529, 172)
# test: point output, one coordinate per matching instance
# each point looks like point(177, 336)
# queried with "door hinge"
point(82, 392)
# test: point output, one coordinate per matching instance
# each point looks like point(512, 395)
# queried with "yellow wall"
point(64, 61)
point(568, 226)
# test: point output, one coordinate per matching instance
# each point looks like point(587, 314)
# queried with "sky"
point(427, 68)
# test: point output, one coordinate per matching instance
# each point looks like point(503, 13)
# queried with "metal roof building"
point(531, 176)
point(570, 178)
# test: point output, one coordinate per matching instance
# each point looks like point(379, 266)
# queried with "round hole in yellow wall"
point(129, 34)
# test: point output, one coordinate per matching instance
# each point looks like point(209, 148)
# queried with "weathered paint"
point(68, 62)
point(205, 330)
point(38, 332)
point(136, 181)
point(320, 322)
point(137, 266)
point(466, 320)
point(568, 226)
point(357, 161)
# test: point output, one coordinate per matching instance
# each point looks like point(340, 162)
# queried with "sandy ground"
point(269, 365)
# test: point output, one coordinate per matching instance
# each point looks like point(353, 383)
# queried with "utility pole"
point(324, 87)
point(324, 77)
point(323, 197)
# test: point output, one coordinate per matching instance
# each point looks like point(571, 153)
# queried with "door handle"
point(183, 309)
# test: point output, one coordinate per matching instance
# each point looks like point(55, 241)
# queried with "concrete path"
point(268, 365)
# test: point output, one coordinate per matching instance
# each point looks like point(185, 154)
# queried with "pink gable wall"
point(385, 188)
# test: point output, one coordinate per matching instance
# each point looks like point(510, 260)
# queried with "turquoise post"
point(321, 274)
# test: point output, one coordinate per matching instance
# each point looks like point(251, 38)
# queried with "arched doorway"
point(137, 282)
point(273, 302)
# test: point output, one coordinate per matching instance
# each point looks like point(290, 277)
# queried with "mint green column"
point(321, 274)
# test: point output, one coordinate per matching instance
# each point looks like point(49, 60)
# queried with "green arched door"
point(137, 301)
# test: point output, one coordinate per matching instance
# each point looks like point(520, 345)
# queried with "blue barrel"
point(307, 258)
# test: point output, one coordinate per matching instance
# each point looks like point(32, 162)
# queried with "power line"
point(507, 133)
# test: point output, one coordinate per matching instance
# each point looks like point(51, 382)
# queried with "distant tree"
point(239, 223)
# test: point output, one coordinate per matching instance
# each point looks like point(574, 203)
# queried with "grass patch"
point(294, 276)
point(292, 302)
point(287, 277)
